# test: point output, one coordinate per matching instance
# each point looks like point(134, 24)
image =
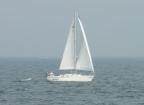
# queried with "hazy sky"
point(38, 28)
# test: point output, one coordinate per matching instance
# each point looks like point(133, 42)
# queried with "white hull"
point(71, 77)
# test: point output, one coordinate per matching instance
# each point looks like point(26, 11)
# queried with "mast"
point(75, 18)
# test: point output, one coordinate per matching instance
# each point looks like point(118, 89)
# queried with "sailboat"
point(75, 59)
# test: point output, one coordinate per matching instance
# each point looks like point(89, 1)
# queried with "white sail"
point(73, 61)
point(84, 61)
point(68, 60)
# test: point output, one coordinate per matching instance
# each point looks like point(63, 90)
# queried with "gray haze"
point(38, 28)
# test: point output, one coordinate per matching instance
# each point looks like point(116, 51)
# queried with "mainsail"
point(68, 60)
point(84, 61)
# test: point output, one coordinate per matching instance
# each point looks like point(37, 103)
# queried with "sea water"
point(118, 81)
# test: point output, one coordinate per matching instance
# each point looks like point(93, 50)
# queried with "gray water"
point(117, 82)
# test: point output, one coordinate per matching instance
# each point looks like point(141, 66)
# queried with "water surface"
point(117, 82)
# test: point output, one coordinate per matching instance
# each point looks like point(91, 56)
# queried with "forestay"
point(84, 61)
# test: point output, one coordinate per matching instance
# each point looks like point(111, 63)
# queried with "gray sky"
point(38, 28)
